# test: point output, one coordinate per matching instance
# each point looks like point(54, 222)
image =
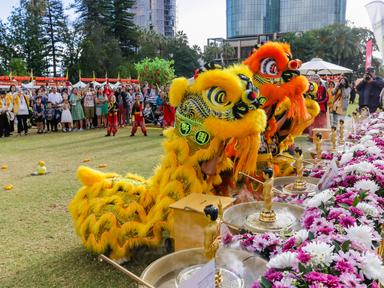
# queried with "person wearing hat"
point(369, 90)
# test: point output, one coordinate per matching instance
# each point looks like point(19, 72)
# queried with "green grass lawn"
point(38, 244)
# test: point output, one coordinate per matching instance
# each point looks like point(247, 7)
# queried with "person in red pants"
point(137, 115)
point(112, 116)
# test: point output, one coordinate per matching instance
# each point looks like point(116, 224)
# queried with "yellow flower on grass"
point(4, 167)
point(8, 187)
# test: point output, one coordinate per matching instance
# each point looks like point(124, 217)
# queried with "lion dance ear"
point(177, 90)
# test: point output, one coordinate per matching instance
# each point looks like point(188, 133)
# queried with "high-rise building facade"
point(158, 15)
point(247, 18)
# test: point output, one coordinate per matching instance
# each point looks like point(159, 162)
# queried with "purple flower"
point(350, 280)
point(356, 211)
point(334, 213)
point(347, 221)
point(272, 275)
point(303, 257)
point(322, 226)
point(316, 277)
point(343, 266)
point(289, 244)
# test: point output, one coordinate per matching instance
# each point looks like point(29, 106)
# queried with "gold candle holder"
point(334, 138)
point(267, 215)
point(341, 132)
point(318, 143)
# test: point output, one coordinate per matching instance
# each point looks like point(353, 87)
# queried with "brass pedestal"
point(246, 216)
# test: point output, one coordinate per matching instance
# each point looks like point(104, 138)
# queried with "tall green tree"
point(4, 49)
point(55, 28)
point(25, 36)
point(123, 26)
point(185, 58)
point(223, 53)
point(339, 44)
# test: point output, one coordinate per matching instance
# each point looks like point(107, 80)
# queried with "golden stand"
point(341, 132)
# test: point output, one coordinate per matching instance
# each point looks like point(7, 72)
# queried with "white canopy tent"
point(30, 85)
point(321, 67)
point(96, 84)
point(79, 84)
point(115, 85)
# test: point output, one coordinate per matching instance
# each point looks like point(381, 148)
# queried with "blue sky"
point(202, 19)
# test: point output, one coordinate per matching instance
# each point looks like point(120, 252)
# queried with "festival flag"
point(66, 75)
point(10, 74)
point(31, 75)
point(376, 14)
point(79, 75)
point(94, 75)
point(118, 76)
point(368, 54)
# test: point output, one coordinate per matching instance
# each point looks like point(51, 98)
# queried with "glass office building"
point(159, 15)
point(255, 17)
point(303, 15)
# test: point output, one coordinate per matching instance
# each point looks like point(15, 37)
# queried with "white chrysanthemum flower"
point(367, 185)
point(360, 234)
point(372, 267)
point(321, 253)
point(301, 236)
point(362, 167)
point(358, 147)
point(373, 131)
point(283, 260)
point(368, 209)
point(366, 138)
point(346, 158)
point(318, 199)
point(374, 150)
point(369, 143)
point(379, 162)
point(378, 126)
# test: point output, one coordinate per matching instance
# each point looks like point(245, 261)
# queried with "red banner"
point(368, 54)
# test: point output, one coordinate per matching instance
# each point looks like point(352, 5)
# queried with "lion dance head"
point(220, 105)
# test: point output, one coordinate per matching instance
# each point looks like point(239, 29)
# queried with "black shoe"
point(131, 135)
point(107, 135)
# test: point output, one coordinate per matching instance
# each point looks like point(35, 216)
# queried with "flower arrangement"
point(341, 226)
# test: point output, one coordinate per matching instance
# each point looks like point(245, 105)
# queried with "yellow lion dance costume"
point(114, 214)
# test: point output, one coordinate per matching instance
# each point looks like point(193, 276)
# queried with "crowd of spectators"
point(73, 109)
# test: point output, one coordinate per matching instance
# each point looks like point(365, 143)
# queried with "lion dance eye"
point(268, 66)
point(217, 96)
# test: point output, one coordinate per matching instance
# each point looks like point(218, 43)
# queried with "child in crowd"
point(148, 114)
point(112, 116)
point(38, 114)
point(137, 116)
point(66, 117)
point(49, 115)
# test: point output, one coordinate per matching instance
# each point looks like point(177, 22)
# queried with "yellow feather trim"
point(177, 90)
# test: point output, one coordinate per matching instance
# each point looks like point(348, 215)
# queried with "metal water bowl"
point(163, 272)
point(244, 217)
